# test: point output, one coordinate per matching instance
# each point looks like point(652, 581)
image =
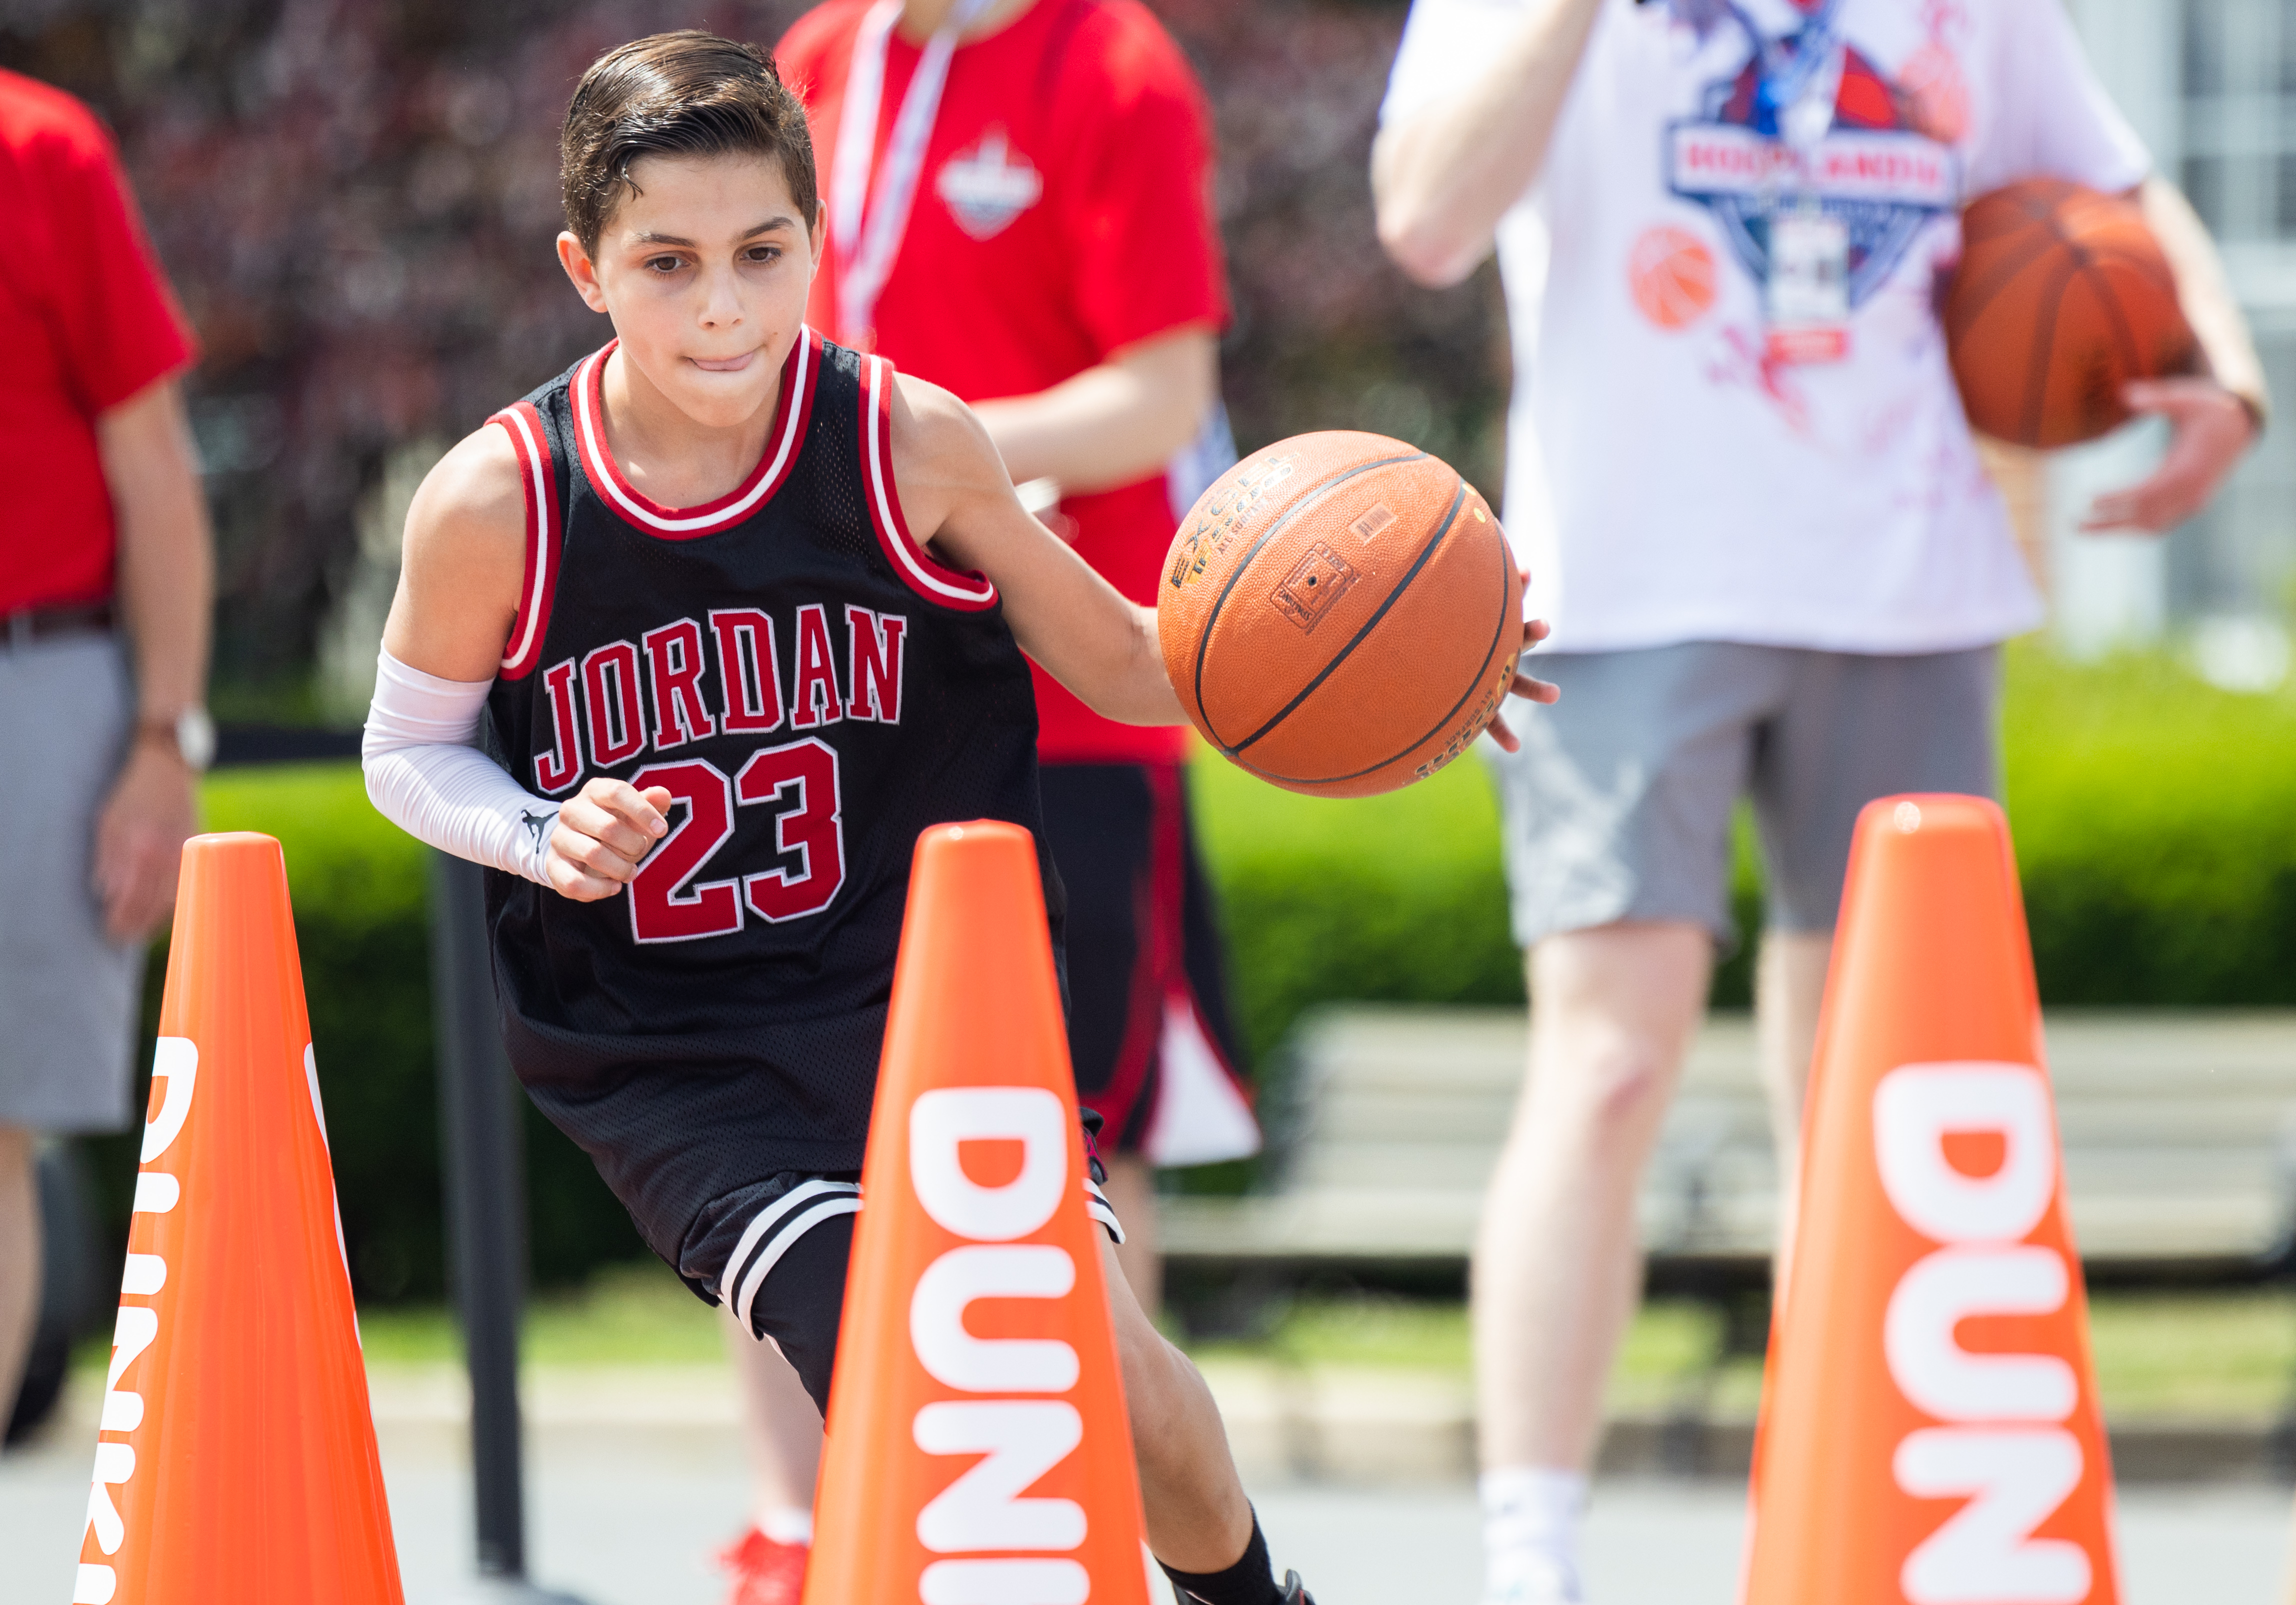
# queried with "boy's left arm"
point(959, 500)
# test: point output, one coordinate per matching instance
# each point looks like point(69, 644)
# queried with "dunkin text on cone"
point(236, 1458)
point(979, 1451)
point(1931, 1432)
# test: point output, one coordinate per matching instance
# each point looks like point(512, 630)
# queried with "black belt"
point(23, 628)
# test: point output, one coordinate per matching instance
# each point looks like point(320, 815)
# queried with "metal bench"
point(2178, 1128)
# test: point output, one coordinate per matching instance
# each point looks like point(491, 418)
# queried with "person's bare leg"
point(1556, 1269)
point(1789, 984)
point(1199, 1520)
point(1131, 1189)
point(19, 1260)
point(1557, 1265)
point(781, 1434)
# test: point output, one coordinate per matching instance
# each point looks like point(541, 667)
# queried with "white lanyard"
point(868, 228)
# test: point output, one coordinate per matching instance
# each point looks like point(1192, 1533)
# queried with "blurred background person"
point(1019, 197)
point(105, 581)
point(1774, 566)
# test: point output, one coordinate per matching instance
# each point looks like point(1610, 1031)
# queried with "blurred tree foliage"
point(356, 200)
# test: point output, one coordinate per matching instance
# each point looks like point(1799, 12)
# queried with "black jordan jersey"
point(814, 692)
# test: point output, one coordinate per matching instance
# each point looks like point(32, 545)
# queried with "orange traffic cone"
point(1930, 1428)
point(979, 1451)
point(236, 1458)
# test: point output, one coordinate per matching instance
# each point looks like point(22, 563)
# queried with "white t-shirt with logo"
point(1668, 480)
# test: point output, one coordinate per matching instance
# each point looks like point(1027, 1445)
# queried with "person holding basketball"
point(1751, 504)
point(743, 610)
point(1020, 211)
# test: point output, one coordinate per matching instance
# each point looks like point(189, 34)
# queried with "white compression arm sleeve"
point(426, 774)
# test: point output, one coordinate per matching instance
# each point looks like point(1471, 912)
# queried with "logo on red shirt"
point(987, 184)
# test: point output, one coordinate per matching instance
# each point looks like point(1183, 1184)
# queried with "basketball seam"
point(2045, 336)
point(1980, 298)
point(2131, 359)
point(1506, 556)
point(2154, 270)
point(1308, 498)
point(1426, 554)
point(2037, 214)
point(1459, 499)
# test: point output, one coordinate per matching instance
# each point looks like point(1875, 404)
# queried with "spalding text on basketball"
point(1473, 724)
point(1224, 508)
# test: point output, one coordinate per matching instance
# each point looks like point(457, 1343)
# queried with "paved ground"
point(629, 1523)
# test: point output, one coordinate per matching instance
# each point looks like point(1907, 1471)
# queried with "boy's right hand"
point(604, 831)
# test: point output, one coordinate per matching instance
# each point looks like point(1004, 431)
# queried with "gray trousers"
point(1618, 807)
point(67, 992)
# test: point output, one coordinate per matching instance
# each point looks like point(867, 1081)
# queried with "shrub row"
point(2156, 829)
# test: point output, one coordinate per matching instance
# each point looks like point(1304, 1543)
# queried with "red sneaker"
point(764, 1572)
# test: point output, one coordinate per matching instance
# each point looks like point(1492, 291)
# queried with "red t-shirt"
point(86, 322)
point(1063, 212)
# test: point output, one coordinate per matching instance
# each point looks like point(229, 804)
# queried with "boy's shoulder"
point(935, 434)
point(476, 493)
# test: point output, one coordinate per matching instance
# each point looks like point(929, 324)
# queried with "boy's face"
point(705, 272)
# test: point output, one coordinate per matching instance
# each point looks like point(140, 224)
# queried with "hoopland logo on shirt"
point(1876, 170)
point(987, 184)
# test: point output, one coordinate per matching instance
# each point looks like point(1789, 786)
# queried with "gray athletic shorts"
point(1618, 807)
point(67, 993)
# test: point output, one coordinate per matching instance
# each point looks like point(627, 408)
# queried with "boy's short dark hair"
point(685, 93)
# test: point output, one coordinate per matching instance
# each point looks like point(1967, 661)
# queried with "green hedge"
point(2154, 819)
point(2155, 822)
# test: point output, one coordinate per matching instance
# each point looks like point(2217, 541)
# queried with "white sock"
point(1530, 1534)
point(786, 1524)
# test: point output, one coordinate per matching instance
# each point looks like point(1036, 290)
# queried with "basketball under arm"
point(426, 774)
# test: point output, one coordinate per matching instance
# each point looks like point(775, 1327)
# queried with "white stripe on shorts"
point(1103, 1211)
point(781, 1245)
point(837, 1197)
point(763, 1223)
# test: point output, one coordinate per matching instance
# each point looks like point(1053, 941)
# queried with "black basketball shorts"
point(1144, 965)
point(775, 1252)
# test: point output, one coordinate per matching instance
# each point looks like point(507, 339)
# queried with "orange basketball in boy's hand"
point(1340, 614)
point(2062, 297)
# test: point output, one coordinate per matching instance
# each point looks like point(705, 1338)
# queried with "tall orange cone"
point(236, 1459)
point(979, 1451)
point(1930, 1430)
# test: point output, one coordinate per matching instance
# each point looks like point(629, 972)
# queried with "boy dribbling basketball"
point(746, 610)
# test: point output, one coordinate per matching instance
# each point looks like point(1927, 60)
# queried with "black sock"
point(1250, 1581)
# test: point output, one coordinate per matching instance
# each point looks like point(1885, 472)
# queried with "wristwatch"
point(192, 732)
